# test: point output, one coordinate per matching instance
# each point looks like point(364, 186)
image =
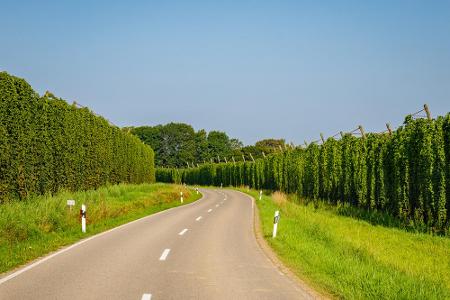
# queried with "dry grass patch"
point(279, 198)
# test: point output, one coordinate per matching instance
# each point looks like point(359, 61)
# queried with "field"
point(351, 258)
point(37, 226)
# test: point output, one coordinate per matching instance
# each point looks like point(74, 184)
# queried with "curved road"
point(203, 250)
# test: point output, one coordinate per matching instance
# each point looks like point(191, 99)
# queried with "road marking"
point(79, 243)
point(199, 218)
point(183, 231)
point(146, 297)
point(164, 254)
point(217, 205)
point(210, 210)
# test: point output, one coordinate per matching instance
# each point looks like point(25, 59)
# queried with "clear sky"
point(255, 69)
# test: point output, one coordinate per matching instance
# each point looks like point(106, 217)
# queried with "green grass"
point(354, 259)
point(37, 226)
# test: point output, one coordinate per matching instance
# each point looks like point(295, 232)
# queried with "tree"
point(219, 144)
point(201, 144)
point(236, 144)
point(177, 144)
point(174, 143)
point(270, 145)
point(253, 150)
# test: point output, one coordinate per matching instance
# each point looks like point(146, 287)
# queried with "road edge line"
point(273, 257)
point(30, 265)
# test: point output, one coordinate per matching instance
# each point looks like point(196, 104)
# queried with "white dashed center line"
point(183, 231)
point(146, 297)
point(164, 254)
point(199, 218)
point(210, 210)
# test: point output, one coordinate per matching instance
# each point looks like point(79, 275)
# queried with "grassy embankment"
point(37, 226)
point(352, 258)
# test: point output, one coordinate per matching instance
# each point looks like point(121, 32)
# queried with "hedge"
point(47, 144)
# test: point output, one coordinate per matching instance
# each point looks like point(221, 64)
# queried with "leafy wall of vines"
point(406, 174)
point(47, 144)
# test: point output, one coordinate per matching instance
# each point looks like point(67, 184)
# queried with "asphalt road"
point(204, 250)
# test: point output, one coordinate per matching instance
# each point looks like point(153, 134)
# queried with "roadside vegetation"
point(352, 258)
point(47, 145)
point(404, 172)
point(38, 225)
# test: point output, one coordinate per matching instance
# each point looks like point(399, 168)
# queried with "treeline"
point(405, 174)
point(179, 145)
point(47, 144)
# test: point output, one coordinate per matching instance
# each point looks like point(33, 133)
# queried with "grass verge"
point(37, 226)
point(354, 259)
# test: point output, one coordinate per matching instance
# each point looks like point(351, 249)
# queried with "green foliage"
point(177, 144)
point(405, 175)
point(47, 144)
point(354, 258)
point(41, 224)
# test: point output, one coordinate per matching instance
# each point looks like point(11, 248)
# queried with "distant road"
point(204, 250)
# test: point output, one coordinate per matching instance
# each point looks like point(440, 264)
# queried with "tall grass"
point(355, 259)
point(36, 226)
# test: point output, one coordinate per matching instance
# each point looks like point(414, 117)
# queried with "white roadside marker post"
point(260, 194)
point(196, 189)
point(83, 218)
point(275, 223)
point(181, 197)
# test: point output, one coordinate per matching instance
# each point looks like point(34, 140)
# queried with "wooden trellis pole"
point(388, 126)
point(427, 111)
point(361, 129)
point(322, 138)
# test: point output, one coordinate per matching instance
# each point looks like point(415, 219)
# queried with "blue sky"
point(254, 69)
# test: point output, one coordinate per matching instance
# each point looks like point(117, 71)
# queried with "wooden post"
point(361, 129)
point(342, 134)
point(218, 158)
point(306, 144)
point(252, 157)
point(187, 164)
point(280, 148)
point(225, 160)
point(211, 160)
point(322, 138)
point(388, 126)
point(243, 157)
point(264, 155)
point(234, 162)
point(427, 111)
